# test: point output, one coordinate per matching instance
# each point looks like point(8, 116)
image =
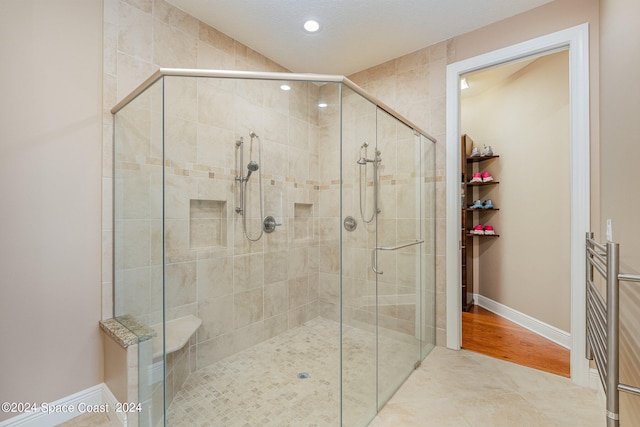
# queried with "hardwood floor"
point(487, 333)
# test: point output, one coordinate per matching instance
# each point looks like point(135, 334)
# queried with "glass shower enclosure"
point(274, 247)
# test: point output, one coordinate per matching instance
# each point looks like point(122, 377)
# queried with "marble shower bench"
point(133, 362)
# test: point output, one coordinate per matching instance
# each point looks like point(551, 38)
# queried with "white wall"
point(50, 159)
point(525, 118)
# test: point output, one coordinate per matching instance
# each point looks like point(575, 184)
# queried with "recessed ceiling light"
point(311, 26)
point(322, 105)
point(285, 87)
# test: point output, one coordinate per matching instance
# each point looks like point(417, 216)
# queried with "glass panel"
point(399, 254)
point(358, 290)
point(428, 267)
point(288, 327)
point(192, 225)
point(138, 254)
point(237, 151)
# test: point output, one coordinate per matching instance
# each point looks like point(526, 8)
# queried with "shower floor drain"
point(303, 375)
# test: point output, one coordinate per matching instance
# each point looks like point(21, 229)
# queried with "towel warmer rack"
point(603, 321)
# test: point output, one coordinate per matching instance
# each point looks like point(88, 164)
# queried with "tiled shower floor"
point(259, 386)
point(451, 388)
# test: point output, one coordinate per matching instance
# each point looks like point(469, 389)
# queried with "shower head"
point(251, 167)
point(252, 134)
point(362, 161)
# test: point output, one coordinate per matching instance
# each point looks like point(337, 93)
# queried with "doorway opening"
point(575, 41)
point(515, 260)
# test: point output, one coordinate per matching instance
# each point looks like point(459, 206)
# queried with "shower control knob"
point(350, 223)
point(269, 224)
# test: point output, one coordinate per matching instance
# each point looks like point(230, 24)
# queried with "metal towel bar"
point(603, 339)
point(629, 389)
point(629, 277)
point(374, 252)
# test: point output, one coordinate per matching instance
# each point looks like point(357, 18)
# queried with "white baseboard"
point(67, 408)
point(545, 330)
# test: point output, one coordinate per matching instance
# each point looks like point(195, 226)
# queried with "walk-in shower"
point(275, 248)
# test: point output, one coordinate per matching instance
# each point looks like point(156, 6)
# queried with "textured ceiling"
point(354, 34)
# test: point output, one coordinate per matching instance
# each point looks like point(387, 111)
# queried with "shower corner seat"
point(178, 332)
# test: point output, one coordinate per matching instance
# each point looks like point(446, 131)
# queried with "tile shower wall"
point(139, 37)
point(415, 86)
point(358, 125)
point(244, 291)
point(397, 222)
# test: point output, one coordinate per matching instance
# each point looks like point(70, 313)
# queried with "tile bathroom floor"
point(450, 388)
point(466, 389)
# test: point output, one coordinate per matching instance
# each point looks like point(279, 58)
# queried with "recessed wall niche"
point(207, 223)
point(302, 221)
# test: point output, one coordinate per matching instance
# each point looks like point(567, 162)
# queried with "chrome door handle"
point(400, 246)
point(374, 260)
point(374, 253)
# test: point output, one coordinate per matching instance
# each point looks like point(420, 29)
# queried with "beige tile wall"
point(212, 270)
point(397, 222)
point(415, 86)
point(139, 37)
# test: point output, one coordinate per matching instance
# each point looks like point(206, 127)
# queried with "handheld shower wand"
point(362, 161)
point(251, 167)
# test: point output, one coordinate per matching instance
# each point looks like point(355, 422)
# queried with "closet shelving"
point(470, 192)
point(470, 195)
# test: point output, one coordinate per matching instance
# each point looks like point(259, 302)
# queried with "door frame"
point(576, 39)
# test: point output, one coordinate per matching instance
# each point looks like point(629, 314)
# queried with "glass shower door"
point(383, 254)
point(357, 281)
point(396, 257)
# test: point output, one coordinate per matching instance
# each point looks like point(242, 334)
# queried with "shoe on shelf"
point(487, 151)
point(477, 204)
point(488, 204)
point(486, 177)
point(477, 177)
point(475, 152)
point(489, 231)
point(478, 230)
